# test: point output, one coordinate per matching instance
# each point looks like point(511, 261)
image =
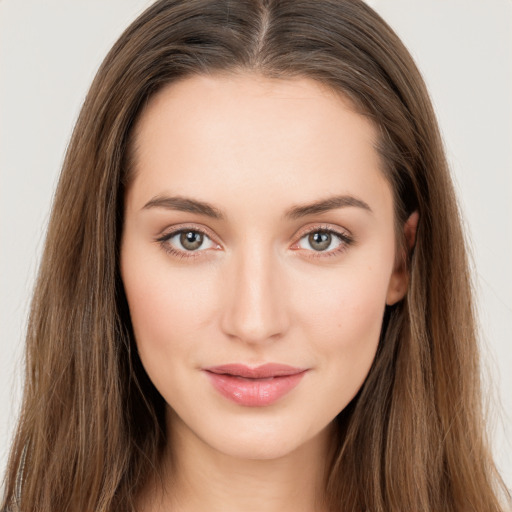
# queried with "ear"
point(399, 280)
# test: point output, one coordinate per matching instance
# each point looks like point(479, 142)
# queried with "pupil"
point(191, 240)
point(320, 240)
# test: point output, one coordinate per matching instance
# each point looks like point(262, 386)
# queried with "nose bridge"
point(255, 311)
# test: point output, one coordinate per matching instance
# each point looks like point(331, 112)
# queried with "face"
point(258, 254)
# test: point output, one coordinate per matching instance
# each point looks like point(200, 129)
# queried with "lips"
point(254, 387)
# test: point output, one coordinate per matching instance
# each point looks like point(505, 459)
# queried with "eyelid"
point(312, 228)
point(171, 232)
point(344, 235)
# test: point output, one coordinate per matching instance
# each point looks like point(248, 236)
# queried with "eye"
point(185, 241)
point(324, 241)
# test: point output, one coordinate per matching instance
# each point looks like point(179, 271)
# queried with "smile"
point(254, 387)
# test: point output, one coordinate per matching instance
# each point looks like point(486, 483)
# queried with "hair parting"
point(92, 425)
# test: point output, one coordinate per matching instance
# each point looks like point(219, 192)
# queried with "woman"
point(254, 292)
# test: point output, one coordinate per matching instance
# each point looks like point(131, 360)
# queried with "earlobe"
point(399, 280)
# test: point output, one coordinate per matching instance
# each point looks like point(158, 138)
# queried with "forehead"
point(246, 136)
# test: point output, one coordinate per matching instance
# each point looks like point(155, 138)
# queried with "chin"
point(265, 440)
point(257, 449)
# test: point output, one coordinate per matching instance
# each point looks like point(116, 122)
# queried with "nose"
point(255, 309)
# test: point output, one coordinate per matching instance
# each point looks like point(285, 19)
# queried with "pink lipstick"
point(254, 387)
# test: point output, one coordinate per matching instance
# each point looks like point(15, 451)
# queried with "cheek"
point(343, 308)
point(168, 308)
point(163, 305)
point(343, 326)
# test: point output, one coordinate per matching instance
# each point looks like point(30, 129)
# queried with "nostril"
point(253, 298)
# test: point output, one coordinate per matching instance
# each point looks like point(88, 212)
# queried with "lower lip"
point(254, 392)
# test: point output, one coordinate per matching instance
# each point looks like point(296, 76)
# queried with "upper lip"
point(259, 372)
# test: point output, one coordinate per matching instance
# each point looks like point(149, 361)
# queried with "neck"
point(196, 477)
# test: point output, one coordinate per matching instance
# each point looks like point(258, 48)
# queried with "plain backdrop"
point(49, 52)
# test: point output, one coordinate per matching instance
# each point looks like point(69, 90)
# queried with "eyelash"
point(345, 241)
point(169, 249)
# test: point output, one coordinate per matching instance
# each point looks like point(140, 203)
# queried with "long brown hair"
point(92, 426)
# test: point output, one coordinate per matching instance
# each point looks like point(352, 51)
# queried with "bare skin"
point(219, 482)
point(260, 279)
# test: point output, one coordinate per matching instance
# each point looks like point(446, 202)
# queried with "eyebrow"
point(324, 205)
point(186, 204)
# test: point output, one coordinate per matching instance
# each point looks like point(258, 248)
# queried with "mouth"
point(254, 387)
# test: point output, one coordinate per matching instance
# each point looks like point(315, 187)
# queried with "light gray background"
point(49, 52)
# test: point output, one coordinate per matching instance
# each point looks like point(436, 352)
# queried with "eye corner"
point(343, 236)
point(170, 241)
